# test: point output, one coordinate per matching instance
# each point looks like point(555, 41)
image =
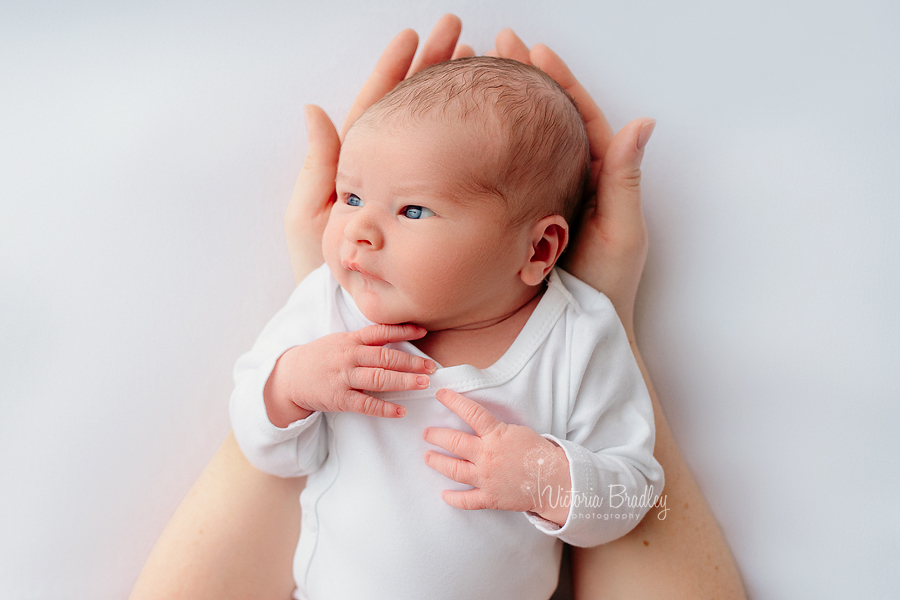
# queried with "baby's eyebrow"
point(346, 177)
point(413, 190)
point(397, 189)
point(458, 194)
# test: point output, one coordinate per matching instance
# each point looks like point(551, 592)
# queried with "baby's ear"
point(548, 239)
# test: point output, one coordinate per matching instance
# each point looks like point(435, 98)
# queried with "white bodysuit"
point(374, 524)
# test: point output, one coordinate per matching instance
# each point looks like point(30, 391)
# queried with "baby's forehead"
point(476, 143)
point(478, 129)
point(415, 155)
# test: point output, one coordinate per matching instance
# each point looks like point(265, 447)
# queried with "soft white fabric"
point(374, 524)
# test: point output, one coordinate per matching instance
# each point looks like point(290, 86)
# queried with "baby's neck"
point(480, 347)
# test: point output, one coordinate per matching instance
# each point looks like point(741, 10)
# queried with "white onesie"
point(374, 524)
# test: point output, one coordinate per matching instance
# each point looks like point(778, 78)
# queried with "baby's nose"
point(363, 231)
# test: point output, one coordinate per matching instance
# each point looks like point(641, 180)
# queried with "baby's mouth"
point(353, 266)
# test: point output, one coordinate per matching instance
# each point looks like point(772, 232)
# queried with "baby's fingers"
point(453, 440)
point(379, 335)
point(364, 404)
point(393, 360)
point(453, 468)
point(473, 499)
point(382, 380)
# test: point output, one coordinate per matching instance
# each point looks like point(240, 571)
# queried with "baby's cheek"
point(331, 244)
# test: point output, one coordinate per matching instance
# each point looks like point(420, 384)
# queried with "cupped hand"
point(610, 244)
point(609, 248)
point(334, 372)
point(307, 212)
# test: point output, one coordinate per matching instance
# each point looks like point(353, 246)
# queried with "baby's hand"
point(510, 467)
point(330, 374)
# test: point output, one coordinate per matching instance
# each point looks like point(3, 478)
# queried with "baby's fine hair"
point(543, 159)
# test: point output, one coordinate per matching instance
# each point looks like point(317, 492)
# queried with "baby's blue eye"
point(417, 212)
point(353, 200)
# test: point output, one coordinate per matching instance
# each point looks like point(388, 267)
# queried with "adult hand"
point(610, 245)
point(307, 213)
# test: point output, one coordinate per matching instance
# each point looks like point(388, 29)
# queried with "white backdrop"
point(147, 153)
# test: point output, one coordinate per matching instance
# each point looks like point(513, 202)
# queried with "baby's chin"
point(378, 314)
point(373, 308)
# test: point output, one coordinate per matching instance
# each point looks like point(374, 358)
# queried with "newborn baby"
point(492, 380)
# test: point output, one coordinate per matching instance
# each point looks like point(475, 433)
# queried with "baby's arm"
point(589, 499)
point(587, 489)
point(297, 366)
point(610, 431)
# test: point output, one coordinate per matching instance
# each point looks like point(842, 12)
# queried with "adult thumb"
point(323, 144)
point(619, 188)
point(314, 189)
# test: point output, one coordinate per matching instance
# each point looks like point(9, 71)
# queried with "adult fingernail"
point(646, 131)
point(422, 380)
point(430, 366)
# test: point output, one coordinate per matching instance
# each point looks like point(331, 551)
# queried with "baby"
point(492, 381)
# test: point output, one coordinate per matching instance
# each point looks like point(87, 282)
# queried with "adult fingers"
point(440, 44)
point(307, 212)
point(393, 360)
point(458, 442)
point(382, 380)
point(462, 51)
point(390, 70)
point(611, 248)
point(476, 416)
point(453, 468)
point(599, 132)
point(379, 335)
point(315, 184)
point(364, 404)
point(619, 187)
point(323, 148)
point(509, 45)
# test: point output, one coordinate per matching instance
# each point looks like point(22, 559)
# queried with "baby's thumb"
point(619, 188)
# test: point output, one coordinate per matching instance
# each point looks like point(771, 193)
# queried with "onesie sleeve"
point(301, 447)
point(610, 435)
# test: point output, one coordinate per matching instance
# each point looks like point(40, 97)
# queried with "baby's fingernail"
point(430, 366)
point(401, 411)
point(425, 434)
point(422, 380)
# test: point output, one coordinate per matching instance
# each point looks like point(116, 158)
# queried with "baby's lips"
point(354, 266)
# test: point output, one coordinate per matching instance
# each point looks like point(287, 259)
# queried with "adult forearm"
point(232, 537)
point(677, 551)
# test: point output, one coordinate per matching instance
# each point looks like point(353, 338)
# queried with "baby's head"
point(454, 193)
